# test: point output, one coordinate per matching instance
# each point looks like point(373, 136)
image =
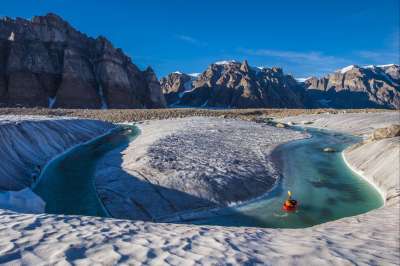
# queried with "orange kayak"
point(290, 208)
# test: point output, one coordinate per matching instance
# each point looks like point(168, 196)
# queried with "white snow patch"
point(12, 37)
point(25, 201)
point(178, 72)
point(302, 79)
point(194, 75)
point(379, 66)
point(102, 98)
point(345, 69)
point(52, 101)
point(388, 65)
point(225, 62)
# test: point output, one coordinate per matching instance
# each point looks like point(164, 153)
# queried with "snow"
point(348, 68)
point(225, 62)
point(388, 65)
point(302, 79)
point(178, 72)
point(25, 201)
point(102, 98)
point(52, 101)
point(11, 37)
point(194, 75)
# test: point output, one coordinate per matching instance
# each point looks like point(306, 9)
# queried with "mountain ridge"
point(46, 62)
point(372, 86)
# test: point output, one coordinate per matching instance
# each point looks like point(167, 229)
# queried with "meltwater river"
point(322, 183)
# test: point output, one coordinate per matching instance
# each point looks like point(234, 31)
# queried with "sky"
point(305, 38)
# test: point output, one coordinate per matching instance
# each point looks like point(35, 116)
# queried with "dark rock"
point(329, 149)
point(46, 60)
point(233, 85)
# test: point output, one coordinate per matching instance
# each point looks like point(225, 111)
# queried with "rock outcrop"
point(230, 84)
point(356, 87)
point(386, 132)
point(46, 62)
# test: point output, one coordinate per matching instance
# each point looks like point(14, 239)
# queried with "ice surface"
point(25, 201)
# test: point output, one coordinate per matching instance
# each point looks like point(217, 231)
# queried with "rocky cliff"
point(46, 62)
point(238, 85)
point(234, 85)
point(356, 87)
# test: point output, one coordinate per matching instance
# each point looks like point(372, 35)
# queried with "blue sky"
point(304, 37)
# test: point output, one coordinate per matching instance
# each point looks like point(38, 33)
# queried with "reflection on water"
point(324, 186)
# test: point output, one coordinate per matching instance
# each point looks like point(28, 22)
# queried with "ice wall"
point(28, 142)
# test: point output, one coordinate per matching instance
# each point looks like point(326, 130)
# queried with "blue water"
point(67, 183)
point(324, 186)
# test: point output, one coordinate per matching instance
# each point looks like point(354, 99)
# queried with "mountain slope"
point(356, 87)
point(46, 62)
point(231, 84)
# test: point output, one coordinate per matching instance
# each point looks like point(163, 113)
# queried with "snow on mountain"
point(225, 62)
point(345, 69)
point(302, 79)
point(194, 75)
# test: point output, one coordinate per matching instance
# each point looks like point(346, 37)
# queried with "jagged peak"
point(245, 66)
point(51, 19)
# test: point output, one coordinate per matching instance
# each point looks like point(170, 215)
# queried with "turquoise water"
point(324, 186)
point(322, 183)
point(67, 183)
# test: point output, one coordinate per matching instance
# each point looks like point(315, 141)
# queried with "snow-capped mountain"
point(231, 84)
point(356, 87)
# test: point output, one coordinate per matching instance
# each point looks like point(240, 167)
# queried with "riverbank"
point(365, 239)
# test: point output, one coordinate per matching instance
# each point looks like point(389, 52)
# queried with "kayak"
point(289, 208)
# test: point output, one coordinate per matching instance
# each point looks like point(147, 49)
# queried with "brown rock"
point(46, 58)
point(387, 132)
point(236, 85)
point(356, 87)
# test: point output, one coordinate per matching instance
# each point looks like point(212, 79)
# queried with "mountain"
point(231, 84)
point(46, 62)
point(356, 87)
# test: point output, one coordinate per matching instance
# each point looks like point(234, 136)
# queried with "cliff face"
point(237, 85)
point(356, 87)
point(233, 85)
point(46, 62)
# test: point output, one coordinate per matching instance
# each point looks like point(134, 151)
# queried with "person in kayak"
point(290, 204)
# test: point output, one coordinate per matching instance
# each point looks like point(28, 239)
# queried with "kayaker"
point(290, 204)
